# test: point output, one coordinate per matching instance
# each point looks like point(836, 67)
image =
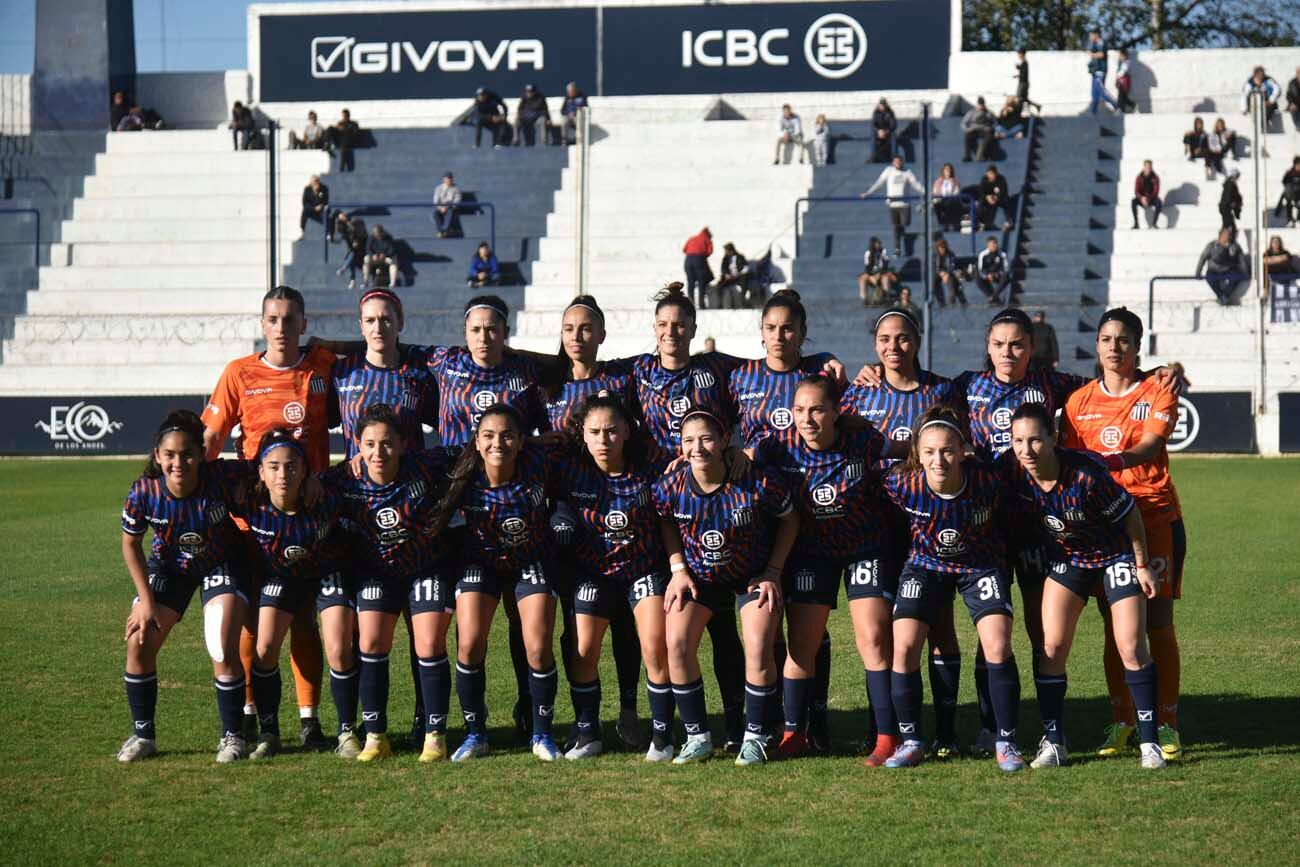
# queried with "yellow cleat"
point(1170, 743)
point(1117, 738)
point(435, 747)
point(377, 747)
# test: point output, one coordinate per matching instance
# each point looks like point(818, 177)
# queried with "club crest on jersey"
point(1075, 515)
point(317, 385)
point(191, 543)
point(387, 518)
point(854, 469)
point(294, 412)
point(1035, 395)
point(294, 553)
point(484, 399)
point(679, 406)
point(516, 383)
point(536, 496)
point(1110, 436)
point(217, 513)
point(1055, 524)
point(703, 379)
point(742, 517)
point(824, 495)
point(1002, 418)
point(616, 520)
point(415, 490)
point(781, 418)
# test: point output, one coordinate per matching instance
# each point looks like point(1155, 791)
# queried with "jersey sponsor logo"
point(483, 399)
point(679, 406)
point(1116, 506)
point(1111, 436)
point(1090, 416)
point(1162, 416)
point(1035, 395)
point(387, 518)
point(1001, 418)
point(713, 540)
point(781, 418)
point(950, 543)
point(1188, 426)
point(616, 520)
point(824, 495)
point(1055, 524)
point(191, 543)
point(294, 412)
point(584, 495)
point(703, 379)
point(295, 553)
point(514, 530)
point(1141, 411)
point(1059, 567)
point(742, 517)
point(901, 434)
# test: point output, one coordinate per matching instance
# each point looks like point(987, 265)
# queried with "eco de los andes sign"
point(86, 425)
point(610, 50)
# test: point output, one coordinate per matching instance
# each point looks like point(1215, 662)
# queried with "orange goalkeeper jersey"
point(259, 398)
point(1097, 420)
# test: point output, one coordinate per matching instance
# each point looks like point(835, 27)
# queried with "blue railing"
point(1169, 278)
point(36, 242)
point(462, 208)
point(968, 201)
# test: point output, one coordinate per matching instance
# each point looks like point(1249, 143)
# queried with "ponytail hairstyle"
point(673, 295)
point(183, 421)
point(1008, 316)
point(1039, 413)
point(940, 414)
point(636, 450)
point(552, 385)
point(286, 293)
point(468, 465)
point(788, 299)
point(1131, 322)
point(274, 439)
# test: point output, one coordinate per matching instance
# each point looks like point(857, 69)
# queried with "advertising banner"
point(86, 425)
point(1214, 422)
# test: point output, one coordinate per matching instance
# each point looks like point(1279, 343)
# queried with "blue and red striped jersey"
point(843, 512)
point(989, 403)
point(762, 399)
point(618, 534)
point(614, 377)
point(394, 519)
point(465, 389)
point(667, 395)
point(1081, 518)
point(296, 546)
point(726, 534)
point(410, 389)
point(510, 526)
point(959, 534)
point(191, 534)
point(895, 412)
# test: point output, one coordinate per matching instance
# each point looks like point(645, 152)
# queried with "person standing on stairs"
point(1047, 352)
point(698, 248)
point(1146, 195)
point(1097, 65)
point(1022, 82)
point(897, 180)
point(1230, 200)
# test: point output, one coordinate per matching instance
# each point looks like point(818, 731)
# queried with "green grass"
point(64, 592)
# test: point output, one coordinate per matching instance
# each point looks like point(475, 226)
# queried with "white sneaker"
point(137, 748)
point(587, 750)
point(1050, 755)
point(657, 754)
point(1151, 757)
point(232, 748)
point(698, 748)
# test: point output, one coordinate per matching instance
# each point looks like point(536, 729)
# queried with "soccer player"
point(393, 507)
point(281, 387)
point(1128, 416)
point(182, 499)
point(727, 543)
point(955, 506)
point(620, 560)
point(1094, 540)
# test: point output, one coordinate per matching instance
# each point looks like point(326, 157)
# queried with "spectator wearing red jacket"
point(698, 249)
point(1146, 195)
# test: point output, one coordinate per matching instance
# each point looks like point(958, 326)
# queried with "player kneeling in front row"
point(1093, 533)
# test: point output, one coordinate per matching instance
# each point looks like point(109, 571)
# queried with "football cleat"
point(1152, 756)
point(985, 744)
point(659, 754)
point(522, 713)
point(544, 748)
point(586, 747)
point(349, 747)
point(1050, 755)
point(733, 723)
point(1170, 743)
point(415, 740)
point(232, 748)
point(753, 752)
point(377, 747)
point(473, 747)
point(1117, 737)
point(908, 755)
point(1009, 758)
point(267, 746)
point(886, 746)
point(137, 748)
point(819, 731)
point(628, 728)
point(311, 737)
point(794, 745)
point(698, 748)
point(944, 752)
point(435, 747)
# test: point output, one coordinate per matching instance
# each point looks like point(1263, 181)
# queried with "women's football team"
point(666, 496)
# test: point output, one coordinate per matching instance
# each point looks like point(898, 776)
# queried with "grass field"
point(1234, 799)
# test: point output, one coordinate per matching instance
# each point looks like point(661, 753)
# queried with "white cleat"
point(1151, 757)
point(137, 748)
point(267, 746)
point(232, 748)
point(585, 750)
point(660, 754)
point(1050, 755)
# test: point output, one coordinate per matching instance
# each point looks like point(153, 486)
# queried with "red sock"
point(1164, 650)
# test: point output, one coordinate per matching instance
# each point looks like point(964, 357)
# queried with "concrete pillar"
point(85, 50)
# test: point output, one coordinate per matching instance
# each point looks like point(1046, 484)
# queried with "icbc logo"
point(781, 418)
point(1110, 436)
point(294, 412)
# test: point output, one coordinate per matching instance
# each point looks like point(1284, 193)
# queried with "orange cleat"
point(885, 747)
point(794, 745)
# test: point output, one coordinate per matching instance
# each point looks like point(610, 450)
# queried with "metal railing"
point(1239, 276)
point(462, 208)
point(967, 200)
point(36, 242)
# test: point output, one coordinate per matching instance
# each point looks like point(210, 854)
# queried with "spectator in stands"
point(1047, 353)
point(1124, 82)
point(1293, 98)
point(530, 112)
point(1194, 141)
point(1022, 81)
point(241, 125)
point(876, 282)
point(132, 121)
point(574, 101)
point(698, 248)
point(977, 131)
point(1230, 201)
point(117, 110)
point(1224, 266)
point(1266, 87)
point(993, 275)
point(710, 345)
point(315, 200)
point(446, 202)
point(1290, 201)
point(342, 137)
point(484, 269)
point(352, 233)
point(948, 206)
point(885, 126)
point(1146, 195)
point(1097, 64)
point(313, 135)
point(993, 195)
point(1221, 141)
point(789, 135)
point(1278, 264)
point(897, 181)
point(381, 253)
point(947, 275)
point(821, 141)
point(1011, 124)
point(490, 111)
point(905, 301)
point(732, 288)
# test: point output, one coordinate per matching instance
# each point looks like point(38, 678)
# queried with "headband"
point(942, 422)
point(169, 429)
point(902, 314)
point(495, 309)
point(599, 315)
point(704, 412)
point(385, 295)
point(293, 444)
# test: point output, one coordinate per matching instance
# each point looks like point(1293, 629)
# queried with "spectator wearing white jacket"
point(897, 180)
point(790, 130)
point(1261, 83)
point(821, 138)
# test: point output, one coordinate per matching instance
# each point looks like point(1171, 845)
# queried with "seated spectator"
point(1220, 142)
point(117, 110)
point(1047, 352)
point(885, 125)
point(1290, 201)
point(1230, 201)
point(821, 141)
point(531, 111)
point(905, 302)
point(1293, 98)
point(948, 206)
point(1279, 265)
point(1194, 141)
point(732, 286)
point(992, 195)
point(1224, 266)
point(1146, 195)
point(993, 274)
point(574, 101)
point(896, 181)
point(315, 199)
point(313, 135)
point(710, 345)
point(490, 112)
point(132, 121)
point(343, 137)
point(241, 125)
point(789, 136)
point(352, 234)
point(1124, 82)
point(484, 270)
point(1261, 84)
point(446, 202)
point(1011, 123)
point(947, 275)
point(977, 131)
point(876, 282)
point(381, 256)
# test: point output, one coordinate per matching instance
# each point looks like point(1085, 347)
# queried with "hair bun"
point(787, 293)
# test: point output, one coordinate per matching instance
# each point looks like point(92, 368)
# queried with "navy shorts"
point(287, 594)
point(175, 590)
point(430, 591)
point(597, 596)
point(922, 593)
point(336, 588)
point(530, 580)
point(872, 578)
point(1118, 580)
point(1031, 562)
point(718, 598)
point(812, 581)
